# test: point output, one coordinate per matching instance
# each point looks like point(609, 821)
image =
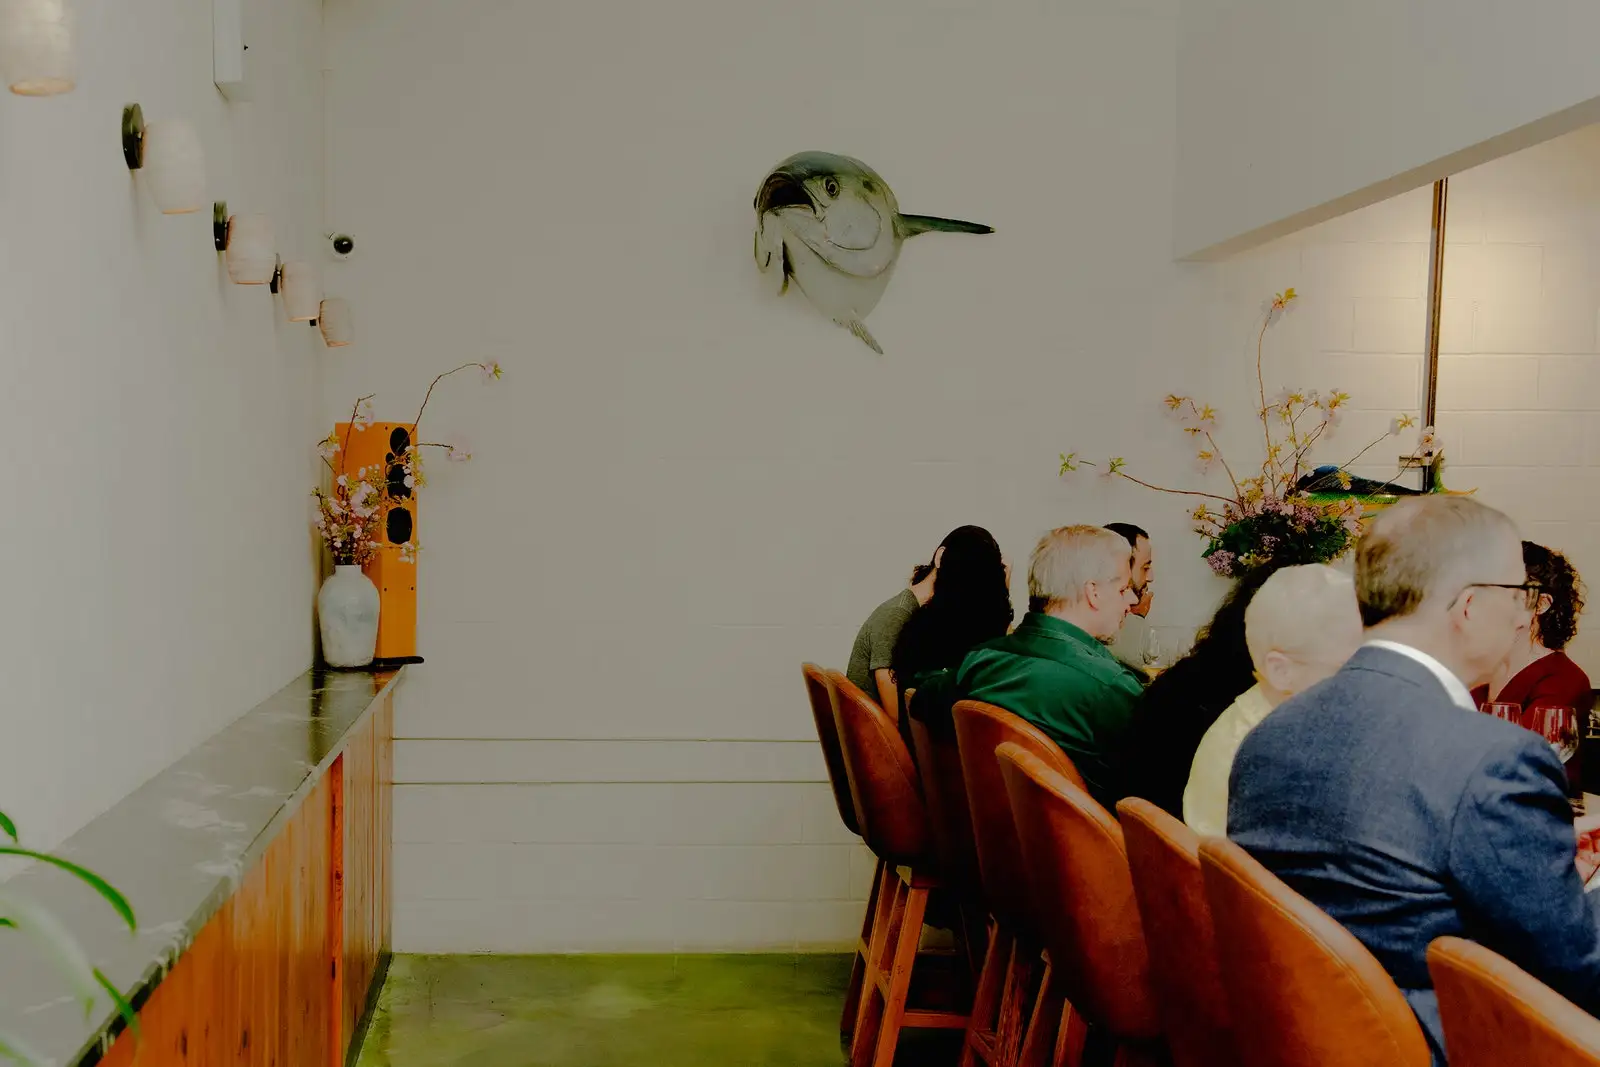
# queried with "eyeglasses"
point(1531, 591)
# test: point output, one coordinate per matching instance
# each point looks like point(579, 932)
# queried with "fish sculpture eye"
point(831, 187)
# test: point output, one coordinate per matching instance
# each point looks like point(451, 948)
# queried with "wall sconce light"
point(169, 153)
point(302, 291)
point(36, 50)
point(246, 243)
point(334, 318)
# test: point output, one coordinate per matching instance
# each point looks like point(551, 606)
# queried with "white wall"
point(685, 487)
point(155, 420)
point(1519, 375)
point(1291, 113)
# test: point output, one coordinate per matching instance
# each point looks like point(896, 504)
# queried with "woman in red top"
point(1538, 673)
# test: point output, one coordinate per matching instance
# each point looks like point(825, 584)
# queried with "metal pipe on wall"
point(1430, 350)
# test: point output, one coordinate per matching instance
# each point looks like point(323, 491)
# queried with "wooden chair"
point(1305, 992)
point(1011, 974)
point(819, 691)
point(894, 823)
point(1078, 871)
point(1164, 857)
point(1496, 1013)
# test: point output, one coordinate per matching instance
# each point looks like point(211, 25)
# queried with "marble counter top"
point(176, 848)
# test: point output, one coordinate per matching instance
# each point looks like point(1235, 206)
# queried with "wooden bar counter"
point(259, 868)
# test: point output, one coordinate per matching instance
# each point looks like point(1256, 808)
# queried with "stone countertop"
point(176, 847)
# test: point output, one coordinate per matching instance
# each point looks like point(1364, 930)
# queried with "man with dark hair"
point(1128, 646)
point(1386, 799)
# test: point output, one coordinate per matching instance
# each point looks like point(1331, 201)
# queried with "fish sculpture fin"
point(911, 225)
point(859, 328)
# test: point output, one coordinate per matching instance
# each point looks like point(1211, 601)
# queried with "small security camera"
point(343, 244)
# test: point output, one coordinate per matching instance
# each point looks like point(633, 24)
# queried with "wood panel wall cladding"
point(282, 975)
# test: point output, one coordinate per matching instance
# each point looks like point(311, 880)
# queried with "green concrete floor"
point(620, 1011)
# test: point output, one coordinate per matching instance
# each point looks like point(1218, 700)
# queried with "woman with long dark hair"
point(971, 604)
point(1181, 704)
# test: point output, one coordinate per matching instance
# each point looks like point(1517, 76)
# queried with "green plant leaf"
point(124, 1009)
point(117, 901)
point(8, 827)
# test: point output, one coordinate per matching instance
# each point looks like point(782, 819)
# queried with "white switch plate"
point(228, 48)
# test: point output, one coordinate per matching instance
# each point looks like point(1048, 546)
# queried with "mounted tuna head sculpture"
point(832, 224)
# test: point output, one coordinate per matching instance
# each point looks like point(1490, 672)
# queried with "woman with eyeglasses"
point(1538, 673)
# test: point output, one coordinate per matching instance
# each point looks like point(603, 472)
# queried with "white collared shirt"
point(1460, 695)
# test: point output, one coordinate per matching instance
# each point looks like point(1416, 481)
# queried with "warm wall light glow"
point(252, 254)
point(337, 328)
point(36, 53)
point(302, 291)
point(175, 167)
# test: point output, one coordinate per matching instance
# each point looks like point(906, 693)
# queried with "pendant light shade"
point(337, 328)
point(36, 47)
point(174, 166)
point(251, 252)
point(302, 291)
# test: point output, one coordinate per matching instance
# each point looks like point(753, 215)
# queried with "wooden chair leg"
point(900, 965)
point(1015, 1002)
point(1074, 1034)
point(858, 968)
point(886, 935)
point(1045, 1023)
point(986, 999)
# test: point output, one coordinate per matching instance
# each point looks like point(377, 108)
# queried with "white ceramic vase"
point(347, 611)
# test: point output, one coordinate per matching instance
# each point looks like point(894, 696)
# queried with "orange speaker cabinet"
point(380, 445)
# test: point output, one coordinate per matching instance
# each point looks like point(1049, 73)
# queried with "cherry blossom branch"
point(1200, 426)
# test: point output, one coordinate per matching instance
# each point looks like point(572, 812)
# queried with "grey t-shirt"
point(875, 640)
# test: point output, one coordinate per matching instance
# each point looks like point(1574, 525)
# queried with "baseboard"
point(359, 1038)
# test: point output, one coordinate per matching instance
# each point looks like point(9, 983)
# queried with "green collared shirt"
point(1066, 683)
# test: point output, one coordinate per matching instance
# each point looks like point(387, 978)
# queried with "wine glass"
point(1150, 652)
point(1559, 726)
point(1501, 709)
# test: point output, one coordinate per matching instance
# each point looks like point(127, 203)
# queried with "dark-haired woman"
point(971, 604)
point(877, 661)
point(1178, 708)
point(1539, 673)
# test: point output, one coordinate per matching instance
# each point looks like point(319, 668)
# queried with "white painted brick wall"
point(683, 489)
point(1519, 381)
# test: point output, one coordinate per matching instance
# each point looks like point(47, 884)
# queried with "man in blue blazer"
point(1387, 799)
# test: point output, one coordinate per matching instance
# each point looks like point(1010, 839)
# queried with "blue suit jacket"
point(1406, 818)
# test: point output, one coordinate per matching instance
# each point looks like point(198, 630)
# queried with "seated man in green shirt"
point(1054, 669)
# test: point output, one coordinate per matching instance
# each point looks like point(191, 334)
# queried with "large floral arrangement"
point(1286, 514)
point(349, 514)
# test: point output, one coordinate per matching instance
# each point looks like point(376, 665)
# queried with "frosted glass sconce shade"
point(36, 47)
point(175, 166)
point(334, 318)
point(251, 253)
point(302, 291)
point(170, 155)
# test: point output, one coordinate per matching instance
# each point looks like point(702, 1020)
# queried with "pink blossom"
point(491, 371)
point(1221, 561)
